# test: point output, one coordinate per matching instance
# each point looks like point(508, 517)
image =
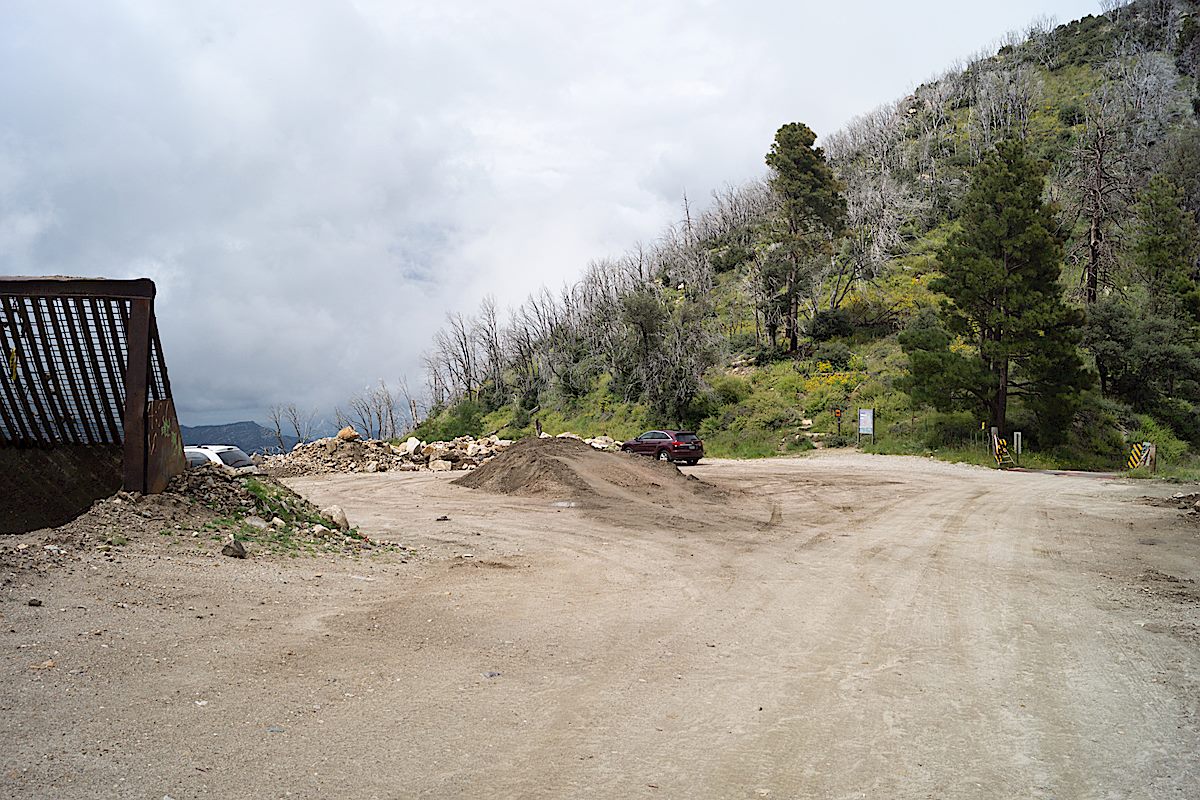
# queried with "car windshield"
point(687, 437)
point(235, 458)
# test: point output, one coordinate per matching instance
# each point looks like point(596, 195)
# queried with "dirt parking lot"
point(837, 626)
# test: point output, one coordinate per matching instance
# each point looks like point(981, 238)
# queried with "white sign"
point(866, 421)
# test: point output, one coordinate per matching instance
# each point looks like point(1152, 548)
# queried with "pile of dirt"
point(1188, 502)
point(199, 510)
point(571, 470)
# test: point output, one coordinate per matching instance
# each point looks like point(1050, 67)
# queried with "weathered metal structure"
point(85, 400)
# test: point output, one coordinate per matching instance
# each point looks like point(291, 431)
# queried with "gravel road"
point(837, 626)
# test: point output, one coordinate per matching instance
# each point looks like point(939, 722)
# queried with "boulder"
point(335, 515)
point(233, 548)
point(347, 434)
point(411, 445)
point(258, 523)
point(438, 465)
point(569, 435)
point(372, 466)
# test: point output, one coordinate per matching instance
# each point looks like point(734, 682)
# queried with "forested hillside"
point(856, 274)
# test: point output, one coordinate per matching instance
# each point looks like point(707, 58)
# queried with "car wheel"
point(626, 450)
point(663, 455)
point(691, 462)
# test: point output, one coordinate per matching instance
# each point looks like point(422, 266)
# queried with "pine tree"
point(1164, 251)
point(1000, 275)
point(814, 209)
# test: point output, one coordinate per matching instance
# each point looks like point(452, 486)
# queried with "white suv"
point(224, 454)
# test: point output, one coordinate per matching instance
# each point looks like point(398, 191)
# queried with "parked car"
point(225, 454)
point(682, 446)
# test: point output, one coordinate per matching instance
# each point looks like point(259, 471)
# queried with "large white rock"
point(411, 445)
point(438, 465)
point(335, 515)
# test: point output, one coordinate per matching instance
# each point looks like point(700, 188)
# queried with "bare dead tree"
point(276, 414)
point(300, 420)
point(1104, 188)
point(488, 340)
point(410, 402)
point(382, 405)
point(1042, 41)
point(360, 408)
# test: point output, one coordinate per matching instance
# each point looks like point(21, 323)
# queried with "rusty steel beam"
point(115, 335)
point(53, 388)
point(76, 287)
point(76, 392)
point(19, 428)
point(107, 382)
point(30, 399)
point(137, 338)
point(89, 372)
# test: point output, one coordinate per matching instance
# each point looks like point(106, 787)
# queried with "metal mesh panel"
point(64, 366)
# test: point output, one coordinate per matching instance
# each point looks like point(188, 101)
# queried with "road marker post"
point(1143, 454)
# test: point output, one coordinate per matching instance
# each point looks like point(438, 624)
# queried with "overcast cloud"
point(313, 185)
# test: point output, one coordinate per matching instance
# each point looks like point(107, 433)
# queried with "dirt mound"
point(568, 469)
point(198, 510)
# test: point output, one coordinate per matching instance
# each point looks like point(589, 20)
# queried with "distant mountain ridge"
point(248, 435)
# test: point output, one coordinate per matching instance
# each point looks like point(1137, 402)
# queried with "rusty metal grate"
point(64, 370)
point(82, 363)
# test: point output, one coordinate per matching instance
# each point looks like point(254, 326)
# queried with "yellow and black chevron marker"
point(1139, 455)
point(12, 364)
point(1003, 458)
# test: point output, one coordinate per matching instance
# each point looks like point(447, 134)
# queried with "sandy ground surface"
point(839, 626)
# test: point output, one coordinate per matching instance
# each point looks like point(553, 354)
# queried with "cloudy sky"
point(313, 185)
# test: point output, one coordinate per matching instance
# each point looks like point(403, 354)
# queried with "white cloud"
point(313, 185)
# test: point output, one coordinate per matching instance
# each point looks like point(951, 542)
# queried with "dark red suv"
point(682, 446)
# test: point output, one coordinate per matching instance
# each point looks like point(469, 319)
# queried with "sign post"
point(866, 424)
point(1017, 442)
point(837, 414)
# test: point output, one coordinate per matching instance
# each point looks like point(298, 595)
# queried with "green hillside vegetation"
point(843, 279)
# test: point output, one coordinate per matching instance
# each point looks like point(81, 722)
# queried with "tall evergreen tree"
point(814, 209)
point(1000, 275)
point(1164, 251)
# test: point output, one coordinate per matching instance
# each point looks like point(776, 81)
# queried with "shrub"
point(826, 325)
point(836, 354)
point(730, 389)
point(951, 430)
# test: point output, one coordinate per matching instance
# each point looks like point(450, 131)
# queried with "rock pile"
point(343, 454)
point(348, 452)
